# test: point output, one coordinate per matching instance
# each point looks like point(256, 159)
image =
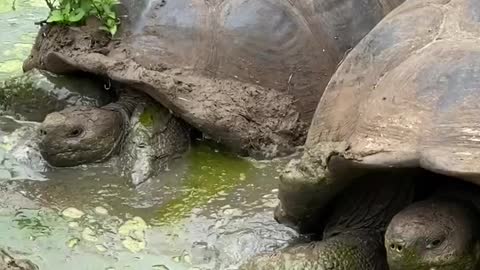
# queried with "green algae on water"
point(19, 50)
point(6, 6)
point(133, 234)
point(12, 67)
point(210, 174)
point(37, 3)
point(35, 224)
point(20, 5)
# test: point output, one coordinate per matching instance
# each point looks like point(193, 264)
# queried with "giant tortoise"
point(246, 73)
point(403, 102)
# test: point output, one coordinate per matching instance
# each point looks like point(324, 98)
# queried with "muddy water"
point(211, 210)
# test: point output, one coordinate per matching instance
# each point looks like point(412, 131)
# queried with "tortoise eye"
point(435, 243)
point(75, 132)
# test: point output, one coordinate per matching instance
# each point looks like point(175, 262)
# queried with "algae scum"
point(210, 210)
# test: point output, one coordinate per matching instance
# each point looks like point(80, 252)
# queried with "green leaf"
point(77, 17)
point(74, 11)
point(93, 12)
point(106, 9)
point(55, 16)
point(113, 30)
point(67, 7)
point(111, 15)
point(86, 5)
point(110, 23)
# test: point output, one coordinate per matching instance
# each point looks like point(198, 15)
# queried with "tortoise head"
point(80, 135)
point(434, 234)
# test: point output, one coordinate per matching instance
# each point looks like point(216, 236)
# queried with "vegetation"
point(75, 12)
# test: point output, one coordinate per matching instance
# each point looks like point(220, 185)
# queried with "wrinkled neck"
point(370, 203)
point(126, 103)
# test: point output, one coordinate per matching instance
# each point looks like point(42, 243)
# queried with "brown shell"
point(407, 94)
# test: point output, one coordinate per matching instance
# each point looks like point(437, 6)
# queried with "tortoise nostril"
point(397, 247)
point(42, 132)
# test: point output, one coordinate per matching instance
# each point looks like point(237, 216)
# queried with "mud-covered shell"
point(247, 73)
point(291, 46)
point(406, 96)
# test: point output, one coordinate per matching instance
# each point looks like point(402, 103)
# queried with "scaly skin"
point(353, 234)
point(155, 138)
point(360, 250)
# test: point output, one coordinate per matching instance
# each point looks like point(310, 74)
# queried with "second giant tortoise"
point(404, 102)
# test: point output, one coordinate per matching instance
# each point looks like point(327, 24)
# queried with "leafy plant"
point(74, 12)
point(103, 9)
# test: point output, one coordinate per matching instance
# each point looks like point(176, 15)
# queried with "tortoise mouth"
point(414, 262)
